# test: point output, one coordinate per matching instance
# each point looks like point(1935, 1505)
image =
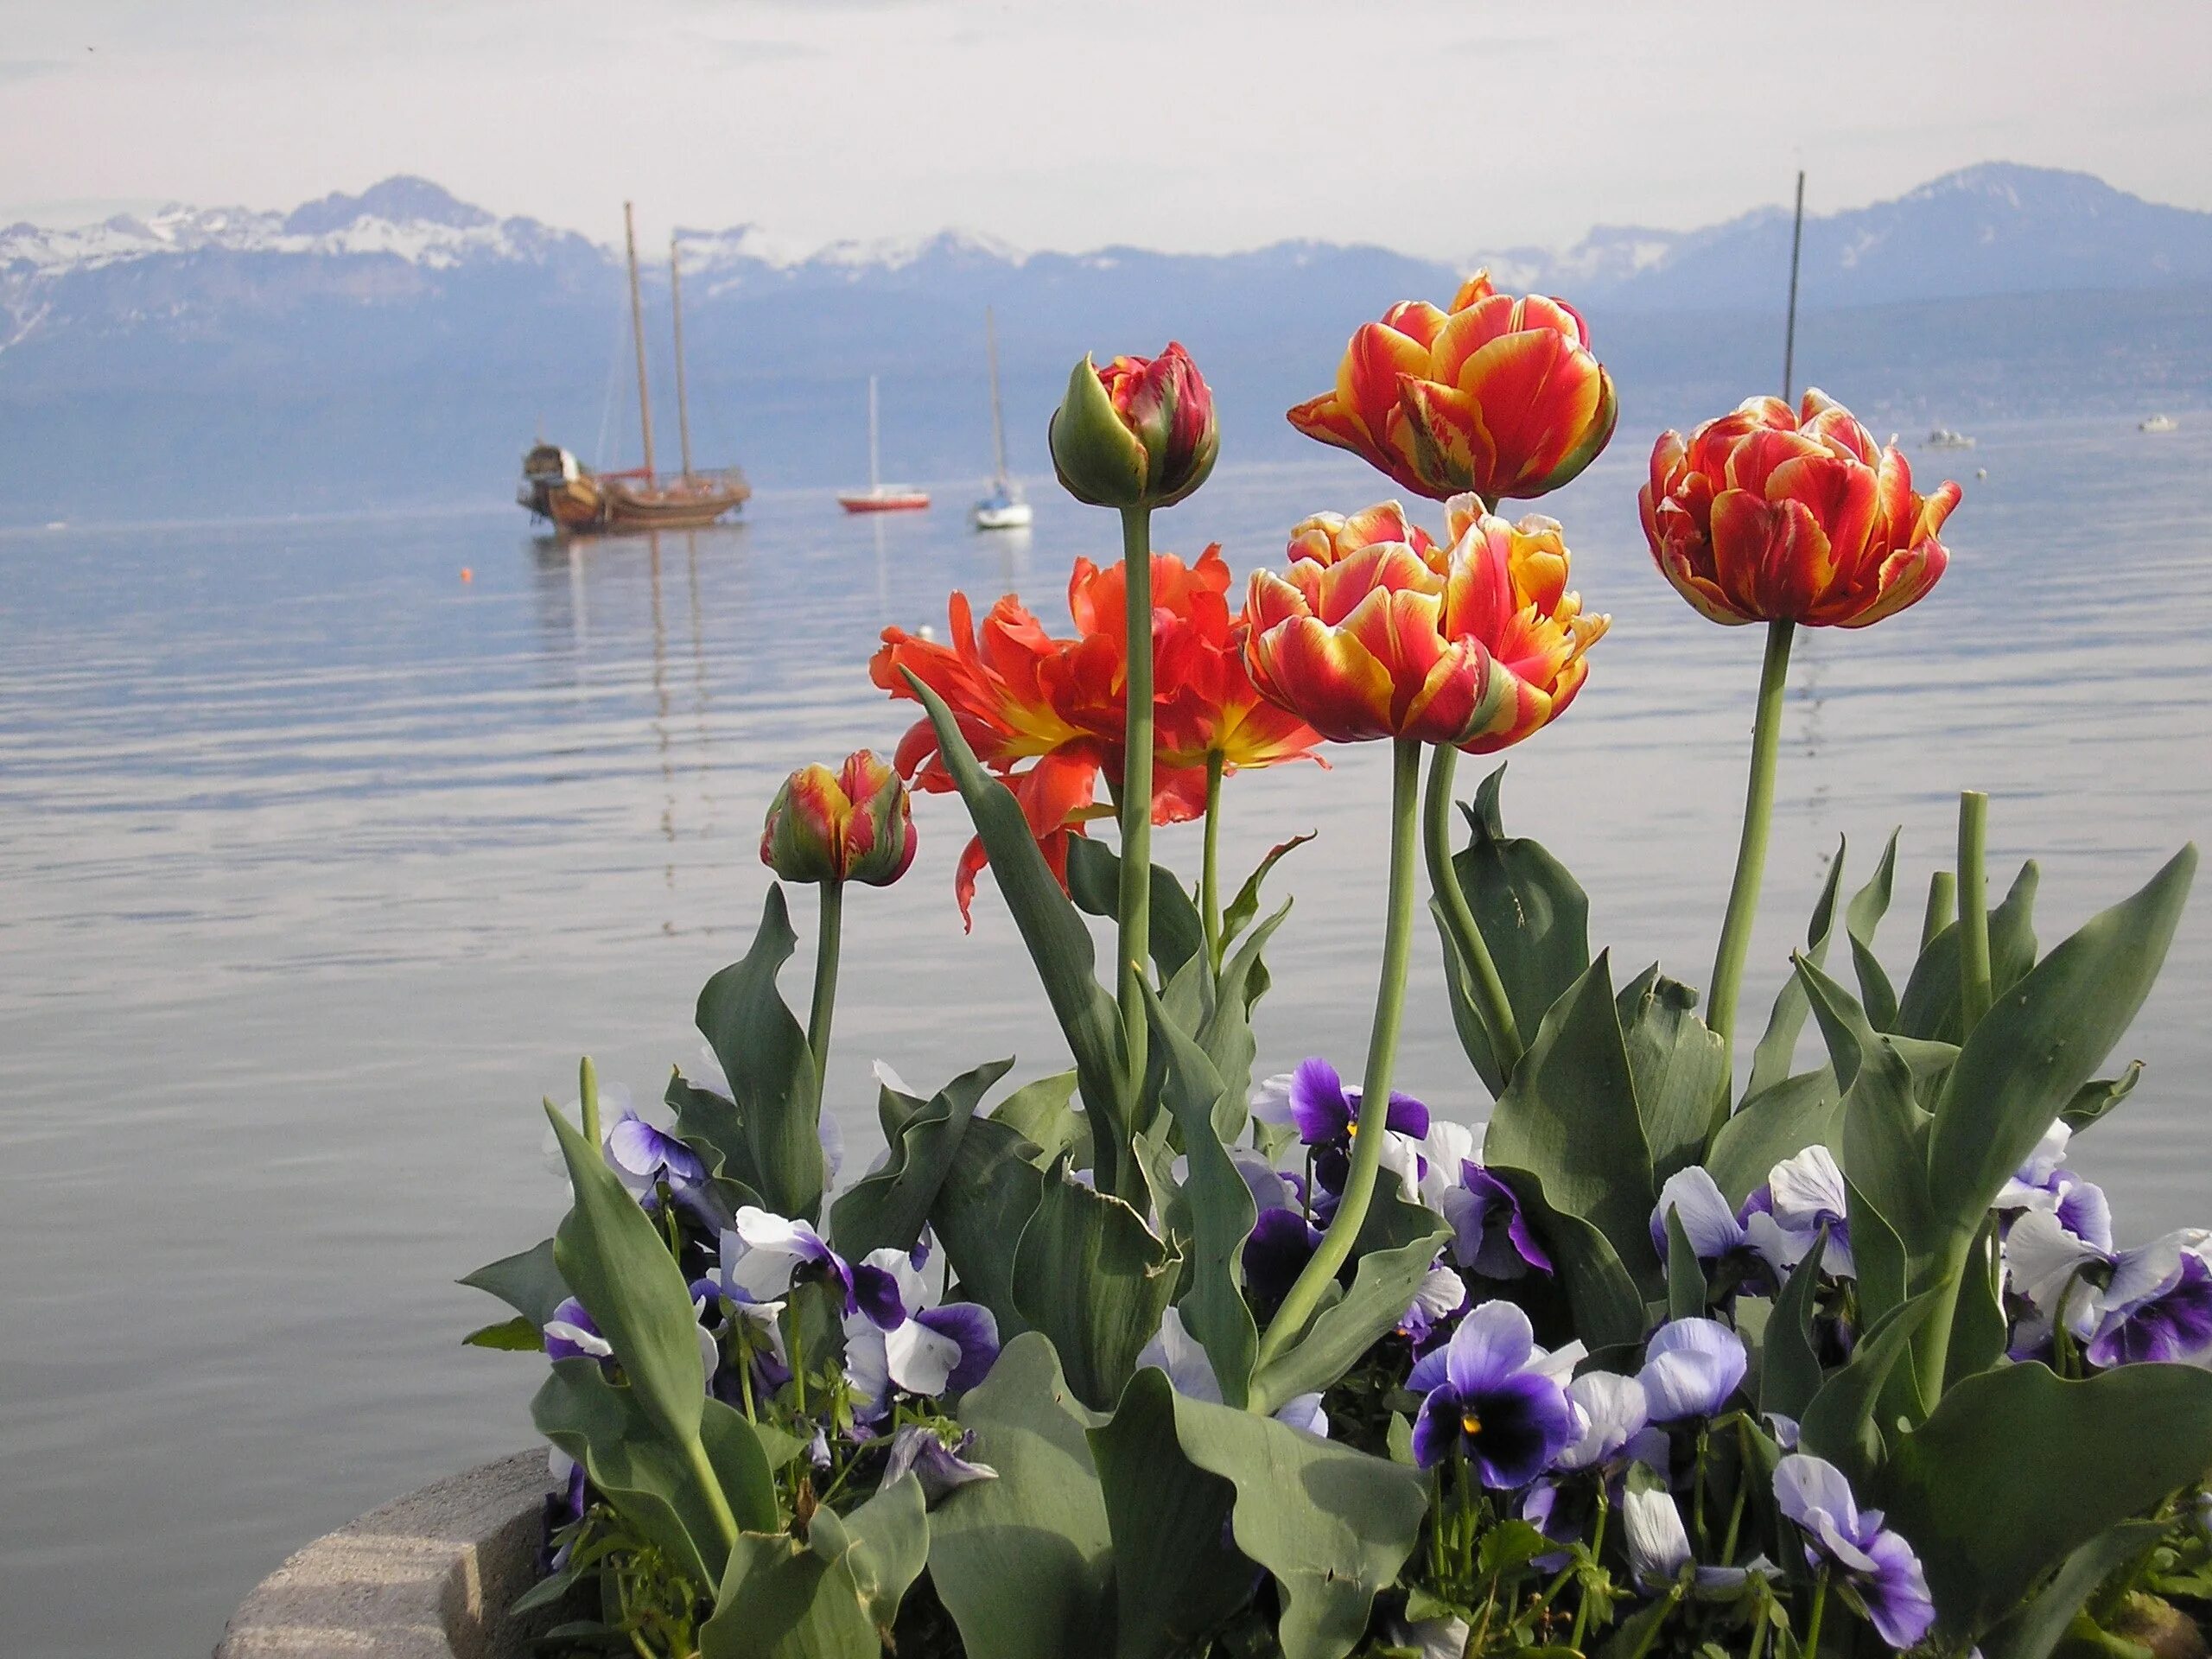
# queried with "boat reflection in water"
point(556, 486)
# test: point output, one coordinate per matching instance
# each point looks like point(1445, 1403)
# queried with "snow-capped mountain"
point(402, 344)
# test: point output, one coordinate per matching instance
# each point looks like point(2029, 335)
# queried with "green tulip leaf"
point(1090, 1275)
point(610, 1253)
point(890, 1544)
point(989, 1194)
point(888, 1209)
point(772, 1075)
point(1095, 884)
point(1332, 1525)
point(515, 1336)
point(1773, 1126)
point(1687, 1290)
point(1840, 1424)
point(1569, 1118)
point(1225, 1032)
point(1175, 1578)
point(2043, 1038)
point(1382, 1287)
point(1039, 1112)
point(1930, 1006)
point(1679, 1066)
point(527, 1281)
point(1607, 1304)
point(645, 1475)
point(781, 1599)
point(1221, 1211)
point(2016, 1469)
point(2095, 1098)
point(1024, 1564)
point(1533, 915)
point(1778, 1048)
point(1789, 1367)
point(2041, 1623)
point(1246, 905)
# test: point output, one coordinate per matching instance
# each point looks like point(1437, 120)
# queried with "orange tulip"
point(1510, 585)
point(1378, 630)
point(1048, 714)
point(1765, 515)
point(1500, 396)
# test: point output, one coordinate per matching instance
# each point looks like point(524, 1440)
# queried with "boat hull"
point(591, 504)
point(909, 501)
point(1016, 515)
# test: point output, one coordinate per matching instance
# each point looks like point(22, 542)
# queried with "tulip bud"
point(1138, 433)
point(854, 824)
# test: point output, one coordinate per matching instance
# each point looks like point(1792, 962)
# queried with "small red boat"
point(879, 497)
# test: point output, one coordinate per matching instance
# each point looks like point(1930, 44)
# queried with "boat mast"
point(1796, 246)
point(676, 305)
point(875, 469)
point(998, 421)
point(637, 337)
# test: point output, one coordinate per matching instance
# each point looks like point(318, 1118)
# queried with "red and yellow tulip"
point(1138, 432)
point(1048, 714)
point(1768, 514)
point(852, 824)
point(1498, 395)
point(1377, 631)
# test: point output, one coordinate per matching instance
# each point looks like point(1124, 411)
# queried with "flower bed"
point(1173, 1353)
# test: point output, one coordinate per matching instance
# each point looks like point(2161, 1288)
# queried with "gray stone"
point(428, 1576)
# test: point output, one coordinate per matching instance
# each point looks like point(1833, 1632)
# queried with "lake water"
point(322, 865)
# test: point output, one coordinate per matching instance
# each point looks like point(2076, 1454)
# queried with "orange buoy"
point(467, 575)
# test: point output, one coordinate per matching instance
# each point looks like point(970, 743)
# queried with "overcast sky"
point(1199, 125)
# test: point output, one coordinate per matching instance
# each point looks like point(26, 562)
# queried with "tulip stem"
point(588, 1098)
point(1210, 872)
point(1135, 944)
point(831, 924)
point(1751, 851)
point(1974, 912)
point(1496, 1009)
point(1335, 1247)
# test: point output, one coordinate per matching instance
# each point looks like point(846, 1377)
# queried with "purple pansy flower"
point(645, 1158)
point(941, 1467)
point(1326, 1111)
point(1690, 1369)
point(1802, 1195)
point(1279, 1245)
point(1442, 1294)
point(570, 1334)
point(1659, 1546)
point(1611, 1417)
point(1717, 1234)
point(762, 1254)
point(891, 1341)
point(1490, 1235)
point(2042, 1183)
point(1875, 1568)
point(1489, 1396)
point(2153, 1302)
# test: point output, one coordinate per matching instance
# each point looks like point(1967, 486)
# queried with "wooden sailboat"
point(881, 497)
point(581, 502)
point(1004, 507)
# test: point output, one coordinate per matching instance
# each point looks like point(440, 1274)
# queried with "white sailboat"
point(881, 497)
point(1004, 508)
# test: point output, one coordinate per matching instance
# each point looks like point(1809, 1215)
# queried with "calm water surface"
point(320, 867)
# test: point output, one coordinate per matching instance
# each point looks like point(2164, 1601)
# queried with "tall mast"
point(637, 338)
point(676, 305)
point(998, 421)
point(1796, 245)
point(874, 467)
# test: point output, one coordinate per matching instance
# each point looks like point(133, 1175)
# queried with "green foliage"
point(1678, 1067)
point(1381, 1286)
point(527, 1281)
point(777, 1149)
point(1570, 1118)
point(1534, 917)
point(2015, 1469)
point(887, 1210)
point(1090, 1275)
point(1024, 1564)
point(834, 1595)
